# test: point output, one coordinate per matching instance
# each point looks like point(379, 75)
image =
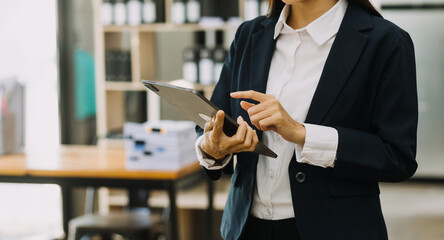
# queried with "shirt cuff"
point(321, 145)
point(206, 161)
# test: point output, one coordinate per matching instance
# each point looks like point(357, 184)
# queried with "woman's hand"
point(218, 145)
point(270, 115)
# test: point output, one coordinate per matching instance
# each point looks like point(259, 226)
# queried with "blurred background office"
point(80, 62)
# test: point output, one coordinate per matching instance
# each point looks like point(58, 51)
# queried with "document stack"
point(159, 145)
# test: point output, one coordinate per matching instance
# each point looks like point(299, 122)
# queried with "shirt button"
point(300, 177)
point(289, 70)
point(271, 176)
point(269, 211)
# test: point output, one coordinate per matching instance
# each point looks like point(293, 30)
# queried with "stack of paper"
point(160, 145)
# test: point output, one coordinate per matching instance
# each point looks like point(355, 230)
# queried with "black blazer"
point(367, 91)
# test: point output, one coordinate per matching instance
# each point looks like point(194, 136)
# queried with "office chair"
point(135, 223)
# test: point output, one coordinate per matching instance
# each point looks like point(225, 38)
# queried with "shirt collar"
point(321, 29)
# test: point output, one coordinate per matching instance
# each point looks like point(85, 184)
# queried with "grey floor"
point(413, 211)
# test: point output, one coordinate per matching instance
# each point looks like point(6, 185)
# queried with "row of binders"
point(118, 66)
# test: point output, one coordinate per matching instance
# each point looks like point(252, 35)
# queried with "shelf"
point(124, 86)
point(136, 86)
point(166, 27)
point(147, 60)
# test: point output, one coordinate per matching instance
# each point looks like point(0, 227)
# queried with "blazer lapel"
point(343, 56)
point(262, 49)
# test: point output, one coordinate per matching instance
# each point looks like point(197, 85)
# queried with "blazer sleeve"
point(221, 96)
point(388, 152)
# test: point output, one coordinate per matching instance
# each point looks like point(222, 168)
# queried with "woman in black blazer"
point(366, 93)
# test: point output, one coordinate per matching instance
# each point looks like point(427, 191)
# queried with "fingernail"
point(239, 119)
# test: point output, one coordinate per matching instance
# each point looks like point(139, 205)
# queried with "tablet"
point(198, 109)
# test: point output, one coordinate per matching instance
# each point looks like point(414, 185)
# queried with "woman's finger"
point(218, 125)
point(255, 118)
point(246, 105)
point(254, 141)
point(267, 123)
point(239, 137)
point(249, 138)
point(262, 106)
point(209, 125)
point(249, 143)
point(257, 96)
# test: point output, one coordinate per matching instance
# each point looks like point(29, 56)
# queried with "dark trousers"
point(259, 229)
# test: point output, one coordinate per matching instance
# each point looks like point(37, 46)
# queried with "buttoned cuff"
point(206, 161)
point(321, 145)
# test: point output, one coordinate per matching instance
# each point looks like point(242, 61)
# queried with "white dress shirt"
point(295, 70)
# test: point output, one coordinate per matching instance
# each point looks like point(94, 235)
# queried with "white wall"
point(28, 48)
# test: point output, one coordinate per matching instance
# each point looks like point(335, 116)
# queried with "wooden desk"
point(89, 166)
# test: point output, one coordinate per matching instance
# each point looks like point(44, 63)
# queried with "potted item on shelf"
point(119, 10)
point(265, 5)
point(251, 9)
point(190, 68)
point(193, 11)
point(149, 11)
point(206, 66)
point(178, 12)
point(219, 55)
point(106, 10)
point(134, 10)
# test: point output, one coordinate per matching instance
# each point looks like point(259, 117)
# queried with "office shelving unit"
point(140, 41)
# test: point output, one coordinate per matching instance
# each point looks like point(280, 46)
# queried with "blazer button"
point(300, 177)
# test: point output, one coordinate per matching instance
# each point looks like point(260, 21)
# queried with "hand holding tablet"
point(198, 109)
point(218, 145)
